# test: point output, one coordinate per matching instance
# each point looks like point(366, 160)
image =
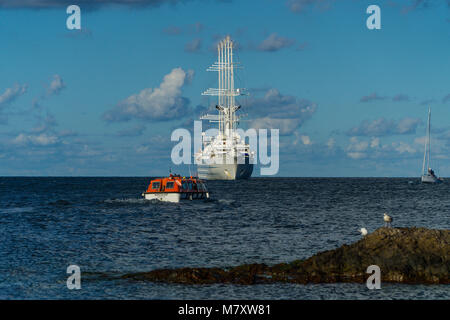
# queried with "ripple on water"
point(105, 227)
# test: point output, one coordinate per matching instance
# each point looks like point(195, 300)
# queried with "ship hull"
point(175, 197)
point(167, 197)
point(225, 171)
point(430, 179)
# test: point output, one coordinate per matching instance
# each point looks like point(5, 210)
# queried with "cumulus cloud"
point(306, 140)
point(403, 147)
point(407, 125)
point(357, 146)
point(372, 97)
point(42, 139)
point(383, 127)
point(11, 94)
point(299, 140)
point(274, 43)
point(375, 143)
point(373, 149)
point(56, 85)
point(193, 46)
point(357, 149)
point(277, 111)
point(162, 103)
point(331, 143)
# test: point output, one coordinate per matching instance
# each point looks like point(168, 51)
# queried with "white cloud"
point(330, 143)
point(11, 94)
point(56, 85)
point(420, 140)
point(403, 147)
point(356, 155)
point(162, 103)
point(306, 140)
point(383, 127)
point(357, 145)
point(42, 139)
point(375, 143)
point(358, 149)
point(374, 149)
point(277, 111)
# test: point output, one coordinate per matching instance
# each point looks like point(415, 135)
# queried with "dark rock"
point(406, 255)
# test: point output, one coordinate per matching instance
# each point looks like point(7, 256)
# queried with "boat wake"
point(126, 201)
point(17, 210)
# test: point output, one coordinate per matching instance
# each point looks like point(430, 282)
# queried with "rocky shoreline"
point(404, 255)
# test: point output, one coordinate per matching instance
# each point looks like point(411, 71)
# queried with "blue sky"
point(349, 101)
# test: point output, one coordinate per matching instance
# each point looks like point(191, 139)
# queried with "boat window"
point(155, 185)
point(169, 185)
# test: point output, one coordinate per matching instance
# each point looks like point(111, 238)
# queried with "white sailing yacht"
point(428, 175)
point(225, 156)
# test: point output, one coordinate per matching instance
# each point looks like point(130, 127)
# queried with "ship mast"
point(226, 92)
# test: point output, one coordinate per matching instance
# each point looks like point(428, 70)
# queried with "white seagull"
point(387, 220)
point(363, 232)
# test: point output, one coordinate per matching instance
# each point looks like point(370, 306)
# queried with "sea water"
point(106, 228)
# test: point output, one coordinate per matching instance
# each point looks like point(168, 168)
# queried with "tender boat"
point(175, 188)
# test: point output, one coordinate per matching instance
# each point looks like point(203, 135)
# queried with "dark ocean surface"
point(103, 226)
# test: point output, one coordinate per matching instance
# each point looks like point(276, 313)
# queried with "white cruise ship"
point(225, 156)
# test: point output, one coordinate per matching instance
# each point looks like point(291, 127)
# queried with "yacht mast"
point(429, 137)
point(427, 151)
